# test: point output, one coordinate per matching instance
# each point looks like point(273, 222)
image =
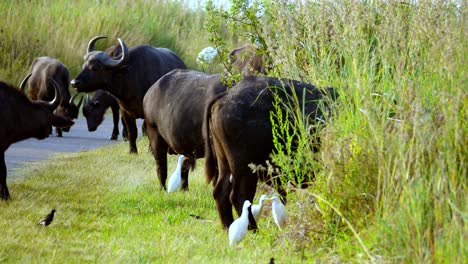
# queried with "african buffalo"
point(174, 110)
point(22, 118)
point(247, 61)
point(241, 134)
point(127, 78)
point(95, 108)
point(40, 89)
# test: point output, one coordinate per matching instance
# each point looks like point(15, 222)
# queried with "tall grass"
point(393, 156)
point(62, 29)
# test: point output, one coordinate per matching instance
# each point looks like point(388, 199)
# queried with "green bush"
point(392, 164)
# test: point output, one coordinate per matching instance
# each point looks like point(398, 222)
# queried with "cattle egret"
point(47, 219)
point(238, 228)
point(257, 208)
point(175, 181)
point(206, 55)
point(279, 212)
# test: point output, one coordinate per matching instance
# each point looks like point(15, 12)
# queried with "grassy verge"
point(110, 209)
point(62, 29)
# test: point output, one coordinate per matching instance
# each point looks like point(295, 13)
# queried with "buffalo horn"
point(56, 101)
point(23, 83)
point(112, 63)
point(88, 100)
point(92, 41)
point(73, 99)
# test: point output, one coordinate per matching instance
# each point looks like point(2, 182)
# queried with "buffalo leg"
point(130, 123)
point(159, 149)
point(115, 118)
point(4, 194)
point(185, 173)
point(58, 131)
point(124, 131)
point(221, 195)
point(221, 192)
point(161, 160)
point(244, 185)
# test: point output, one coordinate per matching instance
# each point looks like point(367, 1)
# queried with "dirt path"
point(78, 139)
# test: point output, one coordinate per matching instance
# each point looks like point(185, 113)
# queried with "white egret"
point(279, 212)
point(207, 55)
point(257, 208)
point(238, 228)
point(175, 181)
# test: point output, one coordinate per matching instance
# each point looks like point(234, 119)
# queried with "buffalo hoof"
point(133, 151)
point(113, 137)
point(4, 194)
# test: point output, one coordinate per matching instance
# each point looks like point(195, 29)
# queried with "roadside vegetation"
point(390, 179)
point(110, 209)
point(62, 29)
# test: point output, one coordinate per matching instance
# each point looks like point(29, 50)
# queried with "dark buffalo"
point(22, 118)
point(40, 89)
point(247, 61)
point(95, 108)
point(241, 134)
point(174, 110)
point(127, 78)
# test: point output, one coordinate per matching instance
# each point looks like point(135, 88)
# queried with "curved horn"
point(112, 63)
point(23, 83)
point(92, 41)
point(58, 97)
point(73, 99)
point(88, 99)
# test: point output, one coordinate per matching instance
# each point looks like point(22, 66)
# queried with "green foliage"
point(62, 29)
point(392, 161)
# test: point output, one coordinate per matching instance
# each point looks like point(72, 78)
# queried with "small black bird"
point(272, 261)
point(48, 219)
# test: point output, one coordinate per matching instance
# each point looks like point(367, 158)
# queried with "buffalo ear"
point(60, 121)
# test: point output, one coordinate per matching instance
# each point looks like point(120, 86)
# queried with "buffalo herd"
point(185, 112)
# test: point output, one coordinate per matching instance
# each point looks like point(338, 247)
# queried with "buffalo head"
point(99, 67)
point(94, 111)
point(69, 109)
point(57, 120)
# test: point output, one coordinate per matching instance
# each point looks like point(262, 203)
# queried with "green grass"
point(110, 209)
point(397, 190)
point(62, 29)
